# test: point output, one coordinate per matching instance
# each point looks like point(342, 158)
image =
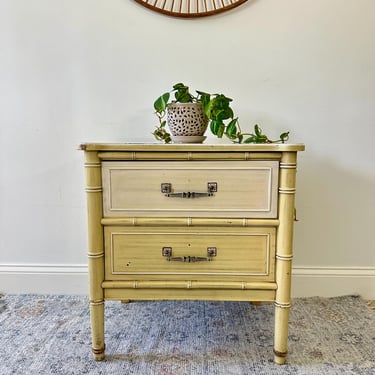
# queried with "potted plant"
point(188, 117)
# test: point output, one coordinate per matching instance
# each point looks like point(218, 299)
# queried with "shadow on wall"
point(336, 213)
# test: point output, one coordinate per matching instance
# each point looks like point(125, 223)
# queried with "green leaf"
point(261, 139)
point(216, 114)
point(220, 131)
point(227, 113)
point(202, 93)
point(204, 98)
point(178, 86)
point(214, 127)
point(231, 129)
point(161, 102)
point(183, 95)
point(161, 134)
point(258, 130)
point(284, 137)
point(251, 139)
point(207, 107)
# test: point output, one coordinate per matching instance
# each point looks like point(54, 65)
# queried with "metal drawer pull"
point(166, 189)
point(167, 252)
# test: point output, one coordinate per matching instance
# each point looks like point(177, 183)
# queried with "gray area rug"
point(47, 334)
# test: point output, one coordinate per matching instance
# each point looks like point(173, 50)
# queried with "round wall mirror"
point(190, 8)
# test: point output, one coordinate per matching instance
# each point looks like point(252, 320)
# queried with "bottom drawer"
point(155, 253)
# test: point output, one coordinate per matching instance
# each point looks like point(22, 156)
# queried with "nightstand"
point(196, 222)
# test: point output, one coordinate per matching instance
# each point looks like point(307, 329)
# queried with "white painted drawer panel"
point(239, 254)
point(244, 189)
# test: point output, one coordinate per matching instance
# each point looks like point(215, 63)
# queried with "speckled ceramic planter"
point(186, 119)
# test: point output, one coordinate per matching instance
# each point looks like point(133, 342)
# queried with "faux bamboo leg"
point(284, 254)
point(282, 318)
point(95, 252)
point(97, 329)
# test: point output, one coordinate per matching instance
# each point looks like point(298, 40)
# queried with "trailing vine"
point(217, 108)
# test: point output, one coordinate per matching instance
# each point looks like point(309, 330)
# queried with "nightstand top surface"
point(231, 147)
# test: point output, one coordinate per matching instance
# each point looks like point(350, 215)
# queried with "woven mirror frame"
point(190, 8)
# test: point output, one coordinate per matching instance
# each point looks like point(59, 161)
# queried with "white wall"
point(75, 71)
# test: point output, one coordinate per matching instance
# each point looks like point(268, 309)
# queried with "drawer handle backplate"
point(167, 252)
point(166, 189)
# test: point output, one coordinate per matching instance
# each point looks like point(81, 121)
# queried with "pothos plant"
point(222, 121)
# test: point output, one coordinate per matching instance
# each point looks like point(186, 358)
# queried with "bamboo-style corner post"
point(95, 251)
point(284, 253)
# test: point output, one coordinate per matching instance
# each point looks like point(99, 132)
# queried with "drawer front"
point(191, 253)
point(195, 189)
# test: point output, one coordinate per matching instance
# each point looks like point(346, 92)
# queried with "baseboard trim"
point(333, 281)
point(73, 279)
point(334, 271)
point(44, 278)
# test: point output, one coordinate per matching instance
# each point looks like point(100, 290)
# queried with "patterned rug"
point(51, 335)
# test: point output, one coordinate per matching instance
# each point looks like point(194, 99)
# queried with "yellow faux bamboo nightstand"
point(197, 222)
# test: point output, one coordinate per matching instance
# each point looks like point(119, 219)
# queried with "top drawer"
point(190, 188)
